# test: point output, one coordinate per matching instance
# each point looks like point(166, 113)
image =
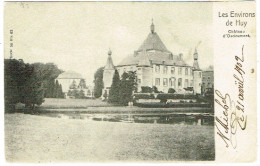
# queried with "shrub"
point(175, 96)
point(155, 89)
point(171, 90)
point(146, 89)
point(143, 96)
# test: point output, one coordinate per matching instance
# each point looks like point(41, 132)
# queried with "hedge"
point(144, 96)
point(172, 105)
point(176, 96)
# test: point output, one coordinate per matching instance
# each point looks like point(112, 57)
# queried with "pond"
point(153, 118)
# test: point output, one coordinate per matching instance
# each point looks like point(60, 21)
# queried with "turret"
point(197, 74)
point(195, 62)
point(108, 74)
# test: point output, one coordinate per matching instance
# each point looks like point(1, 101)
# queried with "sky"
point(77, 35)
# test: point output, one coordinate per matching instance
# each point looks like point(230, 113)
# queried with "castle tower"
point(108, 74)
point(197, 74)
point(195, 62)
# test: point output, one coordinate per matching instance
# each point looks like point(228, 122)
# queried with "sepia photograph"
point(108, 81)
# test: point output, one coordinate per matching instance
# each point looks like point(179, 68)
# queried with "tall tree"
point(82, 84)
point(127, 87)
point(114, 90)
point(60, 92)
point(14, 82)
point(34, 92)
point(73, 85)
point(98, 81)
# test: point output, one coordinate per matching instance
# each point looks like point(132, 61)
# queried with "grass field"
point(99, 106)
point(33, 138)
point(73, 103)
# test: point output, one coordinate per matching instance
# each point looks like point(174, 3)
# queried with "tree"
point(61, 94)
point(114, 90)
point(49, 72)
point(14, 82)
point(98, 81)
point(127, 87)
point(34, 92)
point(28, 83)
point(82, 84)
point(58, 90)
point(73, 85)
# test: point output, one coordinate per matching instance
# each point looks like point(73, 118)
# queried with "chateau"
point(156, 66)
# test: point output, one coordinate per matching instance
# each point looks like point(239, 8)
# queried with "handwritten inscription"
point(233, 111)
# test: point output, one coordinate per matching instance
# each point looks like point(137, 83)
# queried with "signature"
point(233, 111)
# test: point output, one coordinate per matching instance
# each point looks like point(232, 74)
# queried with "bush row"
point(172, 105)
point(165, 96)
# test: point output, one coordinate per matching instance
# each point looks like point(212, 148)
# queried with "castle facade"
point(156, 66)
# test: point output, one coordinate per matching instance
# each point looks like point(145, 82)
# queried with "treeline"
point(121, 89)
point(29, 83)
point(49, 72)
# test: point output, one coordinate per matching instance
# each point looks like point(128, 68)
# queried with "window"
point(180, 82)
point(172, 82)
point(165, 69)
point(186, 71)
point(139, 68)
point(139, 81)
point(180, 71)
point(173, 70)
point(208, 78)
point(165, 82)
point(157, 81)
point(191, 83)
point(157, 68)
point(200, 74)
point(203, 78)
point(186, 83)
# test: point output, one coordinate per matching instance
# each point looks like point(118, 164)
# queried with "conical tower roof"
point(109, 64)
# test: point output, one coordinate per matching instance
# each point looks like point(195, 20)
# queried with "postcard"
point(130, 82)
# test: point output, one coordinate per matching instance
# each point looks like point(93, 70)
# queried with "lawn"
point(31, 138)
point(99, 106)
point(73, 103)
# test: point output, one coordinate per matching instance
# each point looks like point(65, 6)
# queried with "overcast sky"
point(77, 35)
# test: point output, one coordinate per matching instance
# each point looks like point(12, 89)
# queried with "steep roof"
point(109, 64)
point(70, 75)
point(144, 60)
point(153, 42)
point(156, 57)
point(152, 51)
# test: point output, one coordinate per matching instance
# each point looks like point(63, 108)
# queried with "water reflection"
point(173, 118)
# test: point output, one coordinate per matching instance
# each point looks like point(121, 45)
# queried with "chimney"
point(163, 62)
